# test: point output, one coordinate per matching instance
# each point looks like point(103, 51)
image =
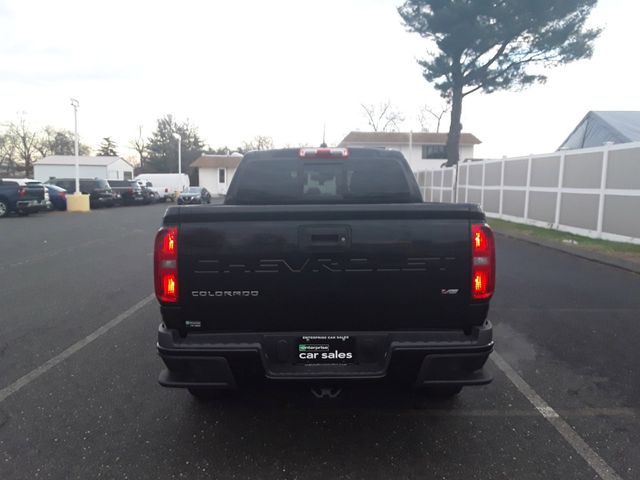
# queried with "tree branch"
point(475, 89)
point(491, 61)
point(536, 57)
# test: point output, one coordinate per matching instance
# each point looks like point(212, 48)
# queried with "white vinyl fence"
point(593, 191)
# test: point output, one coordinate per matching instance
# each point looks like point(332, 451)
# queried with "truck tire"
point(4, 208)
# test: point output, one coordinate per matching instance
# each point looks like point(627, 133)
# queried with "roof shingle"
point(217, 161)
point(82, 160)
point(419, 138)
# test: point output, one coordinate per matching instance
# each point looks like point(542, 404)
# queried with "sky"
point(281, 68)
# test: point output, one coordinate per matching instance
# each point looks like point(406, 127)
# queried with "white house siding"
point(45, 172)
point(417, 163)
point(466, 151)
point(209, 177)
point(414, 155)
point(117, 170)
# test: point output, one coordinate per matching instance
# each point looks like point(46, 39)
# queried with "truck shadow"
point(287, 433)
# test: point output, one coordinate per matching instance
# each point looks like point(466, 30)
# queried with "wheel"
point(4, 208)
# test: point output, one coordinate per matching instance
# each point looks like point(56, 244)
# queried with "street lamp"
point(179, 138)
point(75, 104)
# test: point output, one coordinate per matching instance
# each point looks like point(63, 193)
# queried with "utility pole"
point(75, 104)
point(179, 138)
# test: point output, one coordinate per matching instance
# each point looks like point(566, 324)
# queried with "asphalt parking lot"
point(79, 397)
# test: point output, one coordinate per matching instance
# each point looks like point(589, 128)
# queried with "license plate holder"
point(325, 350)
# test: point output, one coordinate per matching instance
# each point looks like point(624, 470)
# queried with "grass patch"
point(627, 251)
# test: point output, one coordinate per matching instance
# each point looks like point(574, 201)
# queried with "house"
point(598, 128)
point(423, 150)
point(216, 171)
point(63, 166)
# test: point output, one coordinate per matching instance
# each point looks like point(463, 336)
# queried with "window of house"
point(434, 151)
point(222, 175)
point(128, 176)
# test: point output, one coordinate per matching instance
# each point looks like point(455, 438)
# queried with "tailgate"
point(362, 268)
point(35, 192)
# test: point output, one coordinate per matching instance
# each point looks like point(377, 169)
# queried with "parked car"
point(130, 192)
point(325, 267)
point(166, 185)
point(149, 192)
point(46, 203)
point(98, 189)
point(16, 196)
point(35, 185)
point(194, 196)
point(58, 197)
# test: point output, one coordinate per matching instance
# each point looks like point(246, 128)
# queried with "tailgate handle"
point(333, 236)
point(328, 238)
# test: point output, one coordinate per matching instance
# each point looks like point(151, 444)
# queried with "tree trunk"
point(453, 139)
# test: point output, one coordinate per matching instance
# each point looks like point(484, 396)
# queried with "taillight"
point(63, 195)
point(165, 264)
point(22, 191)
point(483, 262)
point(324, 153)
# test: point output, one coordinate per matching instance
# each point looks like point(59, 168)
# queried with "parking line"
point(595, 461)
point(52, 362)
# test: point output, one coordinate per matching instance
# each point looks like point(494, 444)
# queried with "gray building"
point(598, 128)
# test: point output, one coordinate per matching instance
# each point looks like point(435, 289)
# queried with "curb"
point(601, 258)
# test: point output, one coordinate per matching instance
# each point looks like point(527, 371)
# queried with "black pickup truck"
point(17, 196)
point(130, 192)
point(324, 266)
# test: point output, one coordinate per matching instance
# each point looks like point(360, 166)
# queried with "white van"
point(166, 185)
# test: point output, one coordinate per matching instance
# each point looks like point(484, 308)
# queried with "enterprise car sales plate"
point(325, 349)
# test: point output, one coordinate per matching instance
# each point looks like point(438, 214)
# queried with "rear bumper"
point(100, 201)
point(419, 359)
point(29, 206)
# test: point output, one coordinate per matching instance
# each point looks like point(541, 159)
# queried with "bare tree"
point(139, 144)
point(259, 142)
point(426, 112)
point(52, 141)
point(383, 117)
point(25, 142)
point(7, 155)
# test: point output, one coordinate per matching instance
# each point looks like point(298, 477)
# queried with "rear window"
point(308, 181)
point(68, 185)
point(88, 185)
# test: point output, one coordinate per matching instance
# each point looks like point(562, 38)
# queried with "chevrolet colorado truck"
point(324, 266)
